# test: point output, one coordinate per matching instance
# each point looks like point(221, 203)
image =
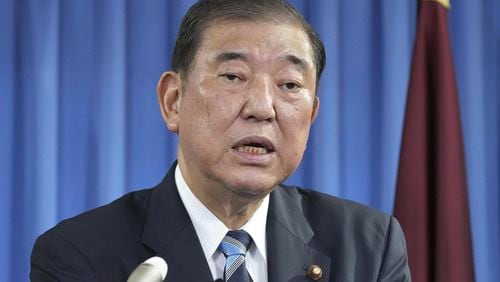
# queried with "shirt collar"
point(213, 230)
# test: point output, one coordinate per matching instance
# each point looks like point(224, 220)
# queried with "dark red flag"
point(431, 195)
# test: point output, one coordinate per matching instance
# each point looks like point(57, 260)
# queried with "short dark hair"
point(205, 12)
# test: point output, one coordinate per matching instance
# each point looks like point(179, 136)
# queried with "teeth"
point(252, 150)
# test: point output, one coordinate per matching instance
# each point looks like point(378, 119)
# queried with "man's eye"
point(231, 77)
point(291, 86)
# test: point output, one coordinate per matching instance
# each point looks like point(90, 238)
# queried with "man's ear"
point(169, 96)
point(315, 109)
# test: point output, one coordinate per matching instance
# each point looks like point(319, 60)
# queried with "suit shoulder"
point(108, 219)
point(321, 202)
point(327, 212)
point(78, 248)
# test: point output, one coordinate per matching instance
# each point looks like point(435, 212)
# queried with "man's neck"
point(234, 212)
point(232, 208)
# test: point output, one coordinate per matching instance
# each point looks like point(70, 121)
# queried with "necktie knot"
point(236, 242)
point(234, 247)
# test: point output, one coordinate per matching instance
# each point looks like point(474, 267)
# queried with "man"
point(241, 97)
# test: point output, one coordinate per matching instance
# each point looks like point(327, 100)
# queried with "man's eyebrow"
point(231, 55)
point(300, 63)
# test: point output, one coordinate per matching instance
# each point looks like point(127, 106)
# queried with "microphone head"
point(153, 269)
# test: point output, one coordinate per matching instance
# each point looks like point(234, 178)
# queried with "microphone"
point(153, 269)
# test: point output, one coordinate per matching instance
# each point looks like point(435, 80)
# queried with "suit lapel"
point(289, 236)
point(169, 232)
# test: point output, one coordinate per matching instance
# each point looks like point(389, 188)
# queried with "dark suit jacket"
point(350, 242)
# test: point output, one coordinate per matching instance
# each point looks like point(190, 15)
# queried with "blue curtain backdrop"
point(79, 124)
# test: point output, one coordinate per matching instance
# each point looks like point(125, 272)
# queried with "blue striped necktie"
point(234, 247)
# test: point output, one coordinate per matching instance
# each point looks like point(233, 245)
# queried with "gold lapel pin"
point(314, 272)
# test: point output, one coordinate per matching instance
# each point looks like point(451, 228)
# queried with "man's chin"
point(252, 187)
point(249, 180)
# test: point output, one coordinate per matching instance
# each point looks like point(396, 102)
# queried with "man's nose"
point(260, 100)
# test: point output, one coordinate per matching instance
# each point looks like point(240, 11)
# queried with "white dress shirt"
point(211, 231)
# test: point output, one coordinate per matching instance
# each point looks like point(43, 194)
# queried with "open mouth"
point(254, 149)
point(254, 146)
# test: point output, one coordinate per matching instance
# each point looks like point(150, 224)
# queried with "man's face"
point(246, 107)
